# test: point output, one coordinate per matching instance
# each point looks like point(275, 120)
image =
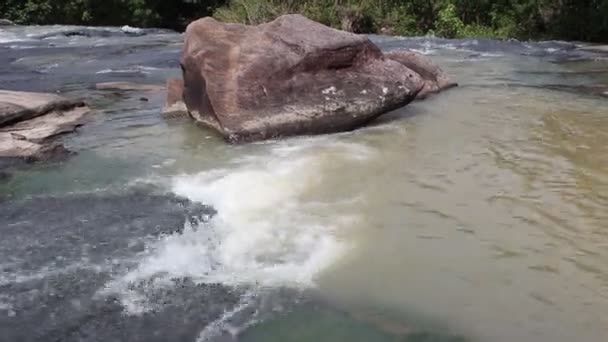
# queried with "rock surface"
point(28, 121)
point(128, 86)
point(16, 106)
point(174, 105)
point(6, 22)
point(435, 80)
point(288, 77)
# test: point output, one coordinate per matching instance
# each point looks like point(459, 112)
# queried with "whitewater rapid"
point(271, 230)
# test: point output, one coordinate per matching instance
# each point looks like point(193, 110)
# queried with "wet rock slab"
point(58, 252)
point(128, 86)
point(29, 121)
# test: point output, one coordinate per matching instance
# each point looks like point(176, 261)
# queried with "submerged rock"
point(28, 121)
point(589, 90)
point(60, 252)
point(128, 86)
point(291, 76)
point(599, 89)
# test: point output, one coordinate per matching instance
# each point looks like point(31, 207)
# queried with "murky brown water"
point(492, 216)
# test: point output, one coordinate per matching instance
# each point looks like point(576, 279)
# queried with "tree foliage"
point(539, 19)
point(146, 13)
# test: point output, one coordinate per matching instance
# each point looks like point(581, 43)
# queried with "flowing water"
point(477, 215)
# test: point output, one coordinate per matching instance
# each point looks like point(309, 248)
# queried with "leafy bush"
point(398, 20)
point(250, 12)
point(448, 23)
point(163, 13)
point(563, 19)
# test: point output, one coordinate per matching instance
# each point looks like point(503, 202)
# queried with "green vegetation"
point(173, 14)
point(525, 19)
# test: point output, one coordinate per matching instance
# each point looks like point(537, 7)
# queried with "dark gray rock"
point(6, 22)
point(58, 252)
point(128, 86)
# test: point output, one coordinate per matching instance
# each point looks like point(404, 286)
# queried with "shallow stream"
point(480, 214)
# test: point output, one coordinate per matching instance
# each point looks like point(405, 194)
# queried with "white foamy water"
point(11, 37)
point(132, 30)
point(223, 324)
point(269, 231)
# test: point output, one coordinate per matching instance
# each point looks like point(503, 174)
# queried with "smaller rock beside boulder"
point(6, 22)
point(435, 79)
point(174, 105)
point(29, 121)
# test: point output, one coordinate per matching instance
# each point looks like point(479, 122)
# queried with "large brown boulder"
point(29, 121)
point(288, 77)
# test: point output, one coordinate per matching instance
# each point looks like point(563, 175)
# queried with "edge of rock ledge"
point(31, 121)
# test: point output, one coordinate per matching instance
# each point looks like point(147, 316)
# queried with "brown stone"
point(435, 79)
point(31, 120)
point(174, 105)
point(288, 77)
point(41, 128)
point(18, 106)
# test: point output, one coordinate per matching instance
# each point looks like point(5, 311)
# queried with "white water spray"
point(270, 231)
